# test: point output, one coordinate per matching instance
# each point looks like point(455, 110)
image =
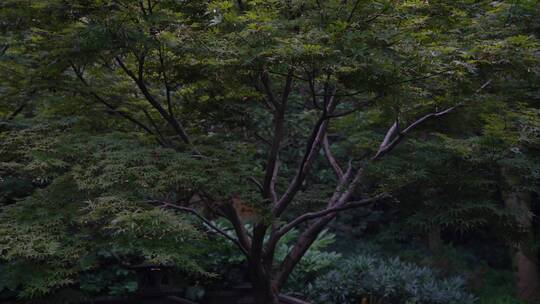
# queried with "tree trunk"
point(264, 291)
point(523, 255)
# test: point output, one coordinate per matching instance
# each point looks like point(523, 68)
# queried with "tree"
point(210, 82)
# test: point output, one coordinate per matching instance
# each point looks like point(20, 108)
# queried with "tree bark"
point(264, 291)
point(527, 278)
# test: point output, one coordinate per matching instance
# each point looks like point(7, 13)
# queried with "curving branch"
point(314, 215)
point(230, 213)
point(285, 299)
point(393, 136)
point(304, 241)
point(139, 81)
point(154, 124)
point(312, 150)
point(279, 124)
point(208, 223)
point(22, 106)
point(166, 81)
point(331, 159)
point(4, 49)
point(273, 191)
point(353, 11)
point(313, 92)
point(356, 108)
point(113, 109)
point(391, 141)
point(389, 135)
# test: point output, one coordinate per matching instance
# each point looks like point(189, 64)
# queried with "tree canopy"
point(156, 132)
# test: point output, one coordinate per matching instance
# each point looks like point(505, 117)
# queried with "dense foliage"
point(264, 141)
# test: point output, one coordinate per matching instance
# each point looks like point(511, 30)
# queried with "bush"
point(386, 281)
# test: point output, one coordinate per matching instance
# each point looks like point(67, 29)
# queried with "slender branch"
point(150, 98)
point(154, 124)
point(358, 107)
point(178, 300)
point(331, 159)
point(165, 82)
point(273, 192)
point(22, 106)
point(305, 240)
point(387, 145)
point(288, 86)
point(341, 196)
point(355, 7)
point(313, 215)
point(279, 122)
point(207, 222)
point(141, 60)
point(143, 9)
point(311, 81)
point(261, 138)
point(256, 183)
point(312, 149)
point(4, 49)
point(398, 82)
point(285, 299)
point(265, 79)
point(327, 96)
point(112, 108)
point(275, 236)
point(480, 89)
point(309, 235)
point(230, 213)
point(389, 135)
point(373, 18)
point(17, 110)
point(150, 7)
point(272, 165)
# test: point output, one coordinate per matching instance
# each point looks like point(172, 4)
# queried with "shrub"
point(388, 281)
